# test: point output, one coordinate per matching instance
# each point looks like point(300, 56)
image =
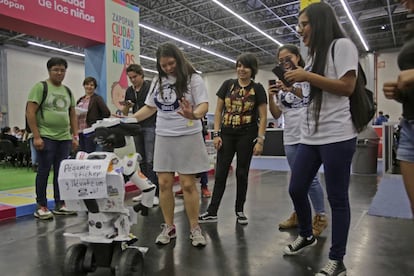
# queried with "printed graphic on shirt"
point(240, 104)
point(58, 102)
point(167, 100)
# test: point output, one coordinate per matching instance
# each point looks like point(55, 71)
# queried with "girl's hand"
point(186, 109)
point(296, 75)
point(391, 90)
point(258, 148)
point(217, 142)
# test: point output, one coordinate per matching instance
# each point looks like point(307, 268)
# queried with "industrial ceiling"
point(209, 26)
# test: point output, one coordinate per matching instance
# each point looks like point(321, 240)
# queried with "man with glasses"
point(51, 116)
point(135, 97)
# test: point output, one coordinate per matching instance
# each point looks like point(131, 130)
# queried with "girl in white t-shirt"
point(328, 135)
point(289, 102)
point(180, 98)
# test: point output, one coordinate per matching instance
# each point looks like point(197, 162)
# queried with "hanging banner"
point(122, 48)
point(305, 3)
point(75, 22)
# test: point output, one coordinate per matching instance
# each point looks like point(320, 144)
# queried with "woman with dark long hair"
point(180, 98)
point(289, 102)
point(328, 135)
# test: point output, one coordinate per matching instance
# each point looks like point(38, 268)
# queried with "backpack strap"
point(44, 95)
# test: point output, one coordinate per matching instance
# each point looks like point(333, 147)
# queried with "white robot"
point(95, 183)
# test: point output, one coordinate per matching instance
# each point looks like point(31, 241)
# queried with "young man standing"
point(135, 97)
point(53, 123)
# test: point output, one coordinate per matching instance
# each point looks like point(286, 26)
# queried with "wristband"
point(216, 134)
point(76, 137)
point(261, 137)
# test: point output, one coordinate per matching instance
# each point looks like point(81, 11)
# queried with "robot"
point(95, 183)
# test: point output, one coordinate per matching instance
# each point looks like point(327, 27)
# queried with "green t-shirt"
point(55, 123)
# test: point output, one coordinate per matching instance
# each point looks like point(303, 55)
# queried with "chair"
point(8, 153)
point(23, 153)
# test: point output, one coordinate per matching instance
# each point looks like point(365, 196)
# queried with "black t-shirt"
point(241, 103)
point(406, 62)
point(138, 98)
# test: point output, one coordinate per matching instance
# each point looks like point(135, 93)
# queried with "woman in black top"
point(402, 90)
point(239, 127)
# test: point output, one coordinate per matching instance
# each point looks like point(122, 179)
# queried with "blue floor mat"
point(391, 200)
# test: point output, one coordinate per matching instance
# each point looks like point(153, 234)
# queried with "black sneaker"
point(241, 218)
point(333, 268)
point(299, 244)
point(206, 217)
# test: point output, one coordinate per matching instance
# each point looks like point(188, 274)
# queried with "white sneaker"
point(167, 233)
point(43, 213)
point(197, 238)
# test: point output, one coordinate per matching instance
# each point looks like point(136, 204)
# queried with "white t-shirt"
point(335, 123)
point(169, 122)
point(292, 107)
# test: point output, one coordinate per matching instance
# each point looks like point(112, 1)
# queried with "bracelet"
point(216, 134)
point(261, 137)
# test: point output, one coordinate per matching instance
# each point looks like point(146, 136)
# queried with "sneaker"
point(291, 222)
point(43, 213)
point(333, 268)
point(206, 217)
point(197, 238)
point(299, 245)
point(241, 218)
point(167, 233)
point(205, 192)
point(320, 222)
point(62, 210)
point(179, 193)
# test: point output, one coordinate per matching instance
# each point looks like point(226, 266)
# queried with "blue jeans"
point(405, 150)
point(52, 154)
point(33, 152)
point(315, 189)
point(336, 159)
point(144, 144)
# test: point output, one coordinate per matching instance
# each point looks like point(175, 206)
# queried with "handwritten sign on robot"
point(83, 179)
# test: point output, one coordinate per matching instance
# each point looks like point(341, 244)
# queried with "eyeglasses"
point(301, 25)
point(57, 71)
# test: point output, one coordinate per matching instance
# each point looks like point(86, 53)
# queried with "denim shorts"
point(405, 151)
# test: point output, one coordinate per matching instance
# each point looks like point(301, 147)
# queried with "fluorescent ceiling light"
point(186, 43)
point(356, 28)
point(55, 49)
point(149, 58)
point(81, 54)
point(247, 22)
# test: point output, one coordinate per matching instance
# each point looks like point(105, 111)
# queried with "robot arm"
point(147, 189)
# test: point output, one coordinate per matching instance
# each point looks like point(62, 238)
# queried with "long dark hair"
point(294, 50)
point(325, 29)
point(183, 69)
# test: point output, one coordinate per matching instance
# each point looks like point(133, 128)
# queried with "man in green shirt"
point(52, 120)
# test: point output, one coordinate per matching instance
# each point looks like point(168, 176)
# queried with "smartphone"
point(280, 72)
point(272, 82)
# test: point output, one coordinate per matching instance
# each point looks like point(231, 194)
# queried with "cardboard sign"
point(83, 179)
